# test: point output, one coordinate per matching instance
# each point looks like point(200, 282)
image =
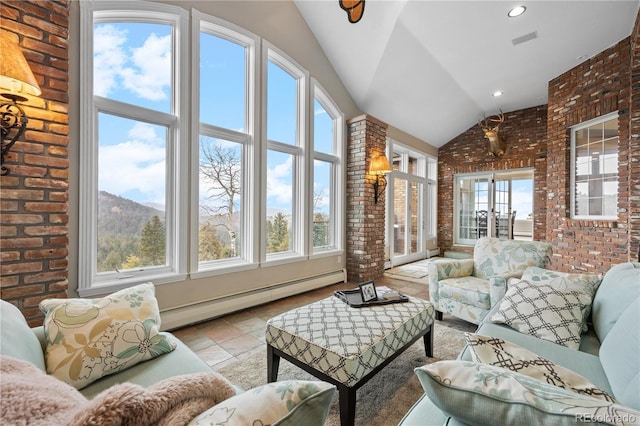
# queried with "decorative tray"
point(354, 298)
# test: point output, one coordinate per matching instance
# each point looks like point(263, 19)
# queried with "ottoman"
point(344, 345)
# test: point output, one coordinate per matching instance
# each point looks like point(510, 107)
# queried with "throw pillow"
point(484, 394)
point(500, 353)
point(293, 402)
point(91, 338)
point(545, 312)
point(587, 283)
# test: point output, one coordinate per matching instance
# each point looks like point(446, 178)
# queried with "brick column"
point(34, 232)
point(367, 137)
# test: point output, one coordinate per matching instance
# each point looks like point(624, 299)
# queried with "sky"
point(132, 64)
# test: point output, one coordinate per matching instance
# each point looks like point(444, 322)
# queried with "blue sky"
point(132, 64)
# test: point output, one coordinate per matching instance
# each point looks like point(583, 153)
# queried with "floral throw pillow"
point(545, 312)
point(288, 402)
point(91, 338)
point(500, 353)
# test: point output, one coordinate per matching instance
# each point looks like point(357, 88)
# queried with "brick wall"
point(365, 219)
point(634, 146)
point(596, 87)
point(33, 196)
point(540, 138)
point(525, 135)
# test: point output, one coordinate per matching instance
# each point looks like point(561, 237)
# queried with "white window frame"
point(89, 281)
point(336, 222)
point(300, 215)
point(211, 25)
point(183, 154)
point(572, 165)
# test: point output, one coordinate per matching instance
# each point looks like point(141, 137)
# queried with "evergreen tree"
point(132, 261)
point(320, 230)
point(153, 243)
point(209, 246)
point(278, 234)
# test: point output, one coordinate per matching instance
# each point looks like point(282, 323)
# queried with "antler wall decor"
point(491, 128)
point(354, 9)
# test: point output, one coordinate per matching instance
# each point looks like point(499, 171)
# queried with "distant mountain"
point(117, 215)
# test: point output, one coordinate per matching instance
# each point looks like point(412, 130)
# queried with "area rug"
point(383, 400)
point(414, 272)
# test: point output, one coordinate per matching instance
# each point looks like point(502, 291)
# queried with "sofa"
point(469, 288)
point(174, 386)
point(608, 356)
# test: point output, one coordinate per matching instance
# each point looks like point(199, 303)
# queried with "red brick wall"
point(634, 146)
point(525, 135)
point(367, 137)
point(540, 138)
point(33, 196)
point(596, 87)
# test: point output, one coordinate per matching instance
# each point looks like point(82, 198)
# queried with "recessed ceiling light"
point(497, 93)
point(516, 11)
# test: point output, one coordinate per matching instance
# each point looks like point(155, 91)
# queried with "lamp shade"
point(16, 79)
point(379, 165)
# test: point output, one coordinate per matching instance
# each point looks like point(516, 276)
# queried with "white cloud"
point(135, 165)
point(108, 58)
point(144, 71)
point(152, 72)
point(279, 182)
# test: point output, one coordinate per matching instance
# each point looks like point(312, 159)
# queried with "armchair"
point(468, 288)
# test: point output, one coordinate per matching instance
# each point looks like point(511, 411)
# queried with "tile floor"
point(236, 336)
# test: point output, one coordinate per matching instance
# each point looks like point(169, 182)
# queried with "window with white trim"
point(594, 169)
point(224, 173)
point(132, 222)
point(285, 168)
point(226, 90)
point(327, 126)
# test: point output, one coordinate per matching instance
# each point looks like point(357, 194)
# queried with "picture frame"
point(368, 291)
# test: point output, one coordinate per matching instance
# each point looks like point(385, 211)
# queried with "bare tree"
point(221, 167)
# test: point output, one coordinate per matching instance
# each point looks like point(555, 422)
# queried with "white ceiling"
point(430, 68)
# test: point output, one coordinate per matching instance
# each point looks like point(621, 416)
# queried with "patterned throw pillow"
point(484, 394)
point(288, 402)
point(91, 338)
point(587, 283)
point(545, 312)
point(500, 353)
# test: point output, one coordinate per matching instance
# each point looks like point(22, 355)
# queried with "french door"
point(411, 208)
point(492, 204)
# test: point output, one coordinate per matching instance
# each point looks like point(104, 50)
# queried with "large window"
point(225, 174)
point(224, 70)
point(285, 162)
point(327, 128)
point(594, 173)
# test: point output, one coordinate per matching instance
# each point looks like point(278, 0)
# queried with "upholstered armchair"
point(468, 288)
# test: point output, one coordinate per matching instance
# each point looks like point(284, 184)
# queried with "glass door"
point(493, 205)
point(407, 206)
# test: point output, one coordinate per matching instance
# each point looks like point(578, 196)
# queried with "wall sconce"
point(16, 81)
point(379, 167)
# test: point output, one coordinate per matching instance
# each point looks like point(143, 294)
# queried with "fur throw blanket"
point(31, 397)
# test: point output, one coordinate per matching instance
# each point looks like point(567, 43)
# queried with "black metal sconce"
point(16, 80)
point(379, 167)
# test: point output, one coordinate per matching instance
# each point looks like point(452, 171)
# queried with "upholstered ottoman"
point(347, 346)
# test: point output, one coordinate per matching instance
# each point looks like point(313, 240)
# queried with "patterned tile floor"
point(236, 336)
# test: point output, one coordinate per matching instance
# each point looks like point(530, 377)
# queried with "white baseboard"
point(433, 252)
point(180, 317)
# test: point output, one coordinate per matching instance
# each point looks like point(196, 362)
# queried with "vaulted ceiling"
point(430, 68)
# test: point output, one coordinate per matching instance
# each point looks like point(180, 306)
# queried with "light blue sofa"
point(609, 354)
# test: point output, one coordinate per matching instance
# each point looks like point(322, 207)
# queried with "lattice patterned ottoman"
point(347, 346)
